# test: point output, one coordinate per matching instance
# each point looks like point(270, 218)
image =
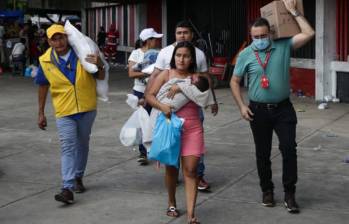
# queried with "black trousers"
point(282, 119)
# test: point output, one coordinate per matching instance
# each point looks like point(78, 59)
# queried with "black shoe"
point(290, 203)
point(79, 186)
point(268, 199)
point(142, 160)
point(65, 196)
point(203, 185)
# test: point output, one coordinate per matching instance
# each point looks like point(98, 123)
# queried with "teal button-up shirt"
point(277, 71)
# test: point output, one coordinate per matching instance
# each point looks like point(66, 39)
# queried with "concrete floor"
point(120, 191)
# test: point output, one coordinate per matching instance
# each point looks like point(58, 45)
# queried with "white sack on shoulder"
point(81, 46)
point(102, 85)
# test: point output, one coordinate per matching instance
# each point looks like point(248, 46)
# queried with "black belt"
point(269, 106)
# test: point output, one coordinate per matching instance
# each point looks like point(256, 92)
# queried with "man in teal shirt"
point(267, 63)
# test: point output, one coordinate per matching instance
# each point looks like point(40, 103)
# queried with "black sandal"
point(172, 212)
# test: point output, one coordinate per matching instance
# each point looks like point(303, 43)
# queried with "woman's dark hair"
point(191, 48)
point(138, 44)
point(261, 22)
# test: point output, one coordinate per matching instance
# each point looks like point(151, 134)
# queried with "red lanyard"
point(264, 65)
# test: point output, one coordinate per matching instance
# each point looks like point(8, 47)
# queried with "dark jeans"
point(19, 60)
point(141, 148)
point(283, 120)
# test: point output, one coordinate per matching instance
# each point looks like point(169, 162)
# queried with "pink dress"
point(192, 139)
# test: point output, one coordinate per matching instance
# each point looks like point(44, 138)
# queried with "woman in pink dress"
point(192, 138)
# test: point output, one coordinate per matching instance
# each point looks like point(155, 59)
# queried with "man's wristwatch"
point(295, 13)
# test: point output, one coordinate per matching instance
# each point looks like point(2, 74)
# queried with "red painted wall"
point(154, 14)
point(303, 79)
point(342, 26)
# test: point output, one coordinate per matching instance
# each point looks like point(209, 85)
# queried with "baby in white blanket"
point(196, 90)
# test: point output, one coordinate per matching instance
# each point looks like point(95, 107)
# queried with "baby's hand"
point(173, 91)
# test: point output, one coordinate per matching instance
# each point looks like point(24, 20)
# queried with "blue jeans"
point(74, 136)
point(201, 166)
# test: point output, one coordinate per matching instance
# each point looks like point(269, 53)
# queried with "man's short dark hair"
point(184, 24)
point(23, 40)
point(261, 22)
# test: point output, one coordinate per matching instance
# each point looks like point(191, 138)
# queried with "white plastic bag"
point(34, 71)
point(132, 101)
point(131, 133)
point(81, 46)
point(144, 122)
point(135, 130)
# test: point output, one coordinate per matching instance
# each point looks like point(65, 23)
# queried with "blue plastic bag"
point(166, 145)
point(28, 72)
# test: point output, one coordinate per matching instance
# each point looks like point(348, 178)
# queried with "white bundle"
point(81, 46)
point(149, 69)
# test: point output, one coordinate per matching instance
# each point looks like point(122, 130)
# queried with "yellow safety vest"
point(67, 98)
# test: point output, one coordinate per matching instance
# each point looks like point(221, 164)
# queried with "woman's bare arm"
point(132, 73)
point(150, 95)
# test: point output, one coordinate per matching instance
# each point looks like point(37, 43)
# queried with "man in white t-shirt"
point(19, 48)
point(18, 53)
point(184, 32)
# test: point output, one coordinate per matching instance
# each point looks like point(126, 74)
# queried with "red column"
point(154, 14)
point(342, 26)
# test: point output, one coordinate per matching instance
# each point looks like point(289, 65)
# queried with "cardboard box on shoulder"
point(282, 23)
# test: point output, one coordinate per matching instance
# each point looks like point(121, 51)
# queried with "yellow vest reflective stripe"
point(68, 99)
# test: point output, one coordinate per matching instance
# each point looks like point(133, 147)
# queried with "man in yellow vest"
point(73, 93)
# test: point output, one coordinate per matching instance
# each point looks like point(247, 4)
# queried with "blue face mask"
point(262, 43)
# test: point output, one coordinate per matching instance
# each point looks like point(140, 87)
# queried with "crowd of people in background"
point(28, 34)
